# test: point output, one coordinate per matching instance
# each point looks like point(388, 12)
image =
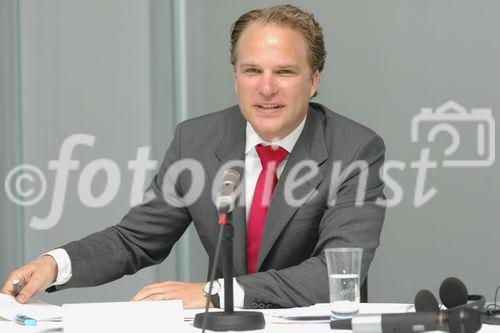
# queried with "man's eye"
point(251, 70)
point(285, 72)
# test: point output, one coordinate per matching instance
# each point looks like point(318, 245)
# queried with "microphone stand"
point(229, 320)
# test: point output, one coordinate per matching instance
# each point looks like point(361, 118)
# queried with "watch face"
point(215, 288)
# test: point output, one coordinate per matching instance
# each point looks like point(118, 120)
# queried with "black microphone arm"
point(454, 321)
point(228, 319)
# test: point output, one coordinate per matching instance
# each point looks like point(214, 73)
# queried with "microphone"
point(228, 320)
point(463, 320)
point(226, 197)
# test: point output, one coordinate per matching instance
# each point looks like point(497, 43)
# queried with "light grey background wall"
point(83, 67)
point(11, 215)
point(127, 71)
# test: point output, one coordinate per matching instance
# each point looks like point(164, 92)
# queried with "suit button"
point(269, 306)
point(255, 305)
point(262, 306)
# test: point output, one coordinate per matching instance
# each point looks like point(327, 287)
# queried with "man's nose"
point(268, 86)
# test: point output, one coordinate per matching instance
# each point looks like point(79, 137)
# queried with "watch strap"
point(215, 300)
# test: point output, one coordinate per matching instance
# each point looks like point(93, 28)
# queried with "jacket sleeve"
point(145, 235)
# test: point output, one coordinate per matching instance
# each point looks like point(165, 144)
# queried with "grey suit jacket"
point(291, 268)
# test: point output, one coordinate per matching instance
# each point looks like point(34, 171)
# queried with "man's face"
point(273, 80)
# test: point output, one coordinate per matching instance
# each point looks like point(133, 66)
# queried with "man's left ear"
point(234, 82)
point(315, 83)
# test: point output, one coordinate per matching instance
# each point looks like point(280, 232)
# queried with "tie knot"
point(271, 156)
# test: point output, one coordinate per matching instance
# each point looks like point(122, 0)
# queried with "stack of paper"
point(10, 308)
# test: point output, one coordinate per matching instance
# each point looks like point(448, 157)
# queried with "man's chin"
point(269, 134)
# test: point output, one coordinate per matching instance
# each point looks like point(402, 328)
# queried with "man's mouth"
point(269, 106)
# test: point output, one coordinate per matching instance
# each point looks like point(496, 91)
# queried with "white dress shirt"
point(253, 168)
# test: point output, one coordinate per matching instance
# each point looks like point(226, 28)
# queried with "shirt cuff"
point(238, 294)
point(64, 271)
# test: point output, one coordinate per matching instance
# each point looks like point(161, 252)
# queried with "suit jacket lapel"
point(309, 146)
point(232, 148)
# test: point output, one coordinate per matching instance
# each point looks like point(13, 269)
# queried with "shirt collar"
point(288, 142)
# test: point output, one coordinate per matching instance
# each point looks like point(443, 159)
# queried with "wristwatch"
point(214, 295)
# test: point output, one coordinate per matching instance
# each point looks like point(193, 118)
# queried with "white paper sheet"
point(125, 317)
point(35, 309)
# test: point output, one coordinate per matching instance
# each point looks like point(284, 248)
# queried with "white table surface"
point(274, 323)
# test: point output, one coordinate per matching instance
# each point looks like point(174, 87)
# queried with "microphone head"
point(230, 177)
point(453, 292)
point(426, 302)
point(226, 196)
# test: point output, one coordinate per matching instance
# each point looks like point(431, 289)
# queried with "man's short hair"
point(289, 16)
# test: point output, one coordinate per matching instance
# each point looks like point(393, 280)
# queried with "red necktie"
point(270, 158)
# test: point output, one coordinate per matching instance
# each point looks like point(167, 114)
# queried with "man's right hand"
point(33, 278)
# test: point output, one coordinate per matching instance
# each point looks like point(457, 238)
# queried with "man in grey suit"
point(327, 190)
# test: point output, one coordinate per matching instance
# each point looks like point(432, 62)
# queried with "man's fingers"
point(8, 287)
point(34, 285)
point(25, 295)
point(159, 296)
point(142, 294)
point(156, 288)
point(33, 278)
point(8, 290)
point(191, 294)
point(147, 292)
point(156, 297)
